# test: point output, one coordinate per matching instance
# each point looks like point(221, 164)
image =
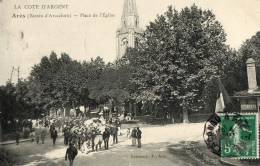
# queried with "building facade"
point(250, 99)
point(129, 33)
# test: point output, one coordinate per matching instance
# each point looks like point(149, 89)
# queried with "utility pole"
point(18, 74)
point(11, 76)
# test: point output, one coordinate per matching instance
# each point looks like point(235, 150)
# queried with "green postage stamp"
point(239, 136)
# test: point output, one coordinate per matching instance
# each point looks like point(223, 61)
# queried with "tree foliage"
point(66, 83)
point(249, 49)
point(180, 52)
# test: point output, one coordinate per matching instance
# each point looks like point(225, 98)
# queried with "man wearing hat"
point(106, 136)
point(71, 153)
point(133, 136)
point(138, 137)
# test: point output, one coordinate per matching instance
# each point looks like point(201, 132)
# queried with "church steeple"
point(130, 16)
point(129, 33)
point(129, 8)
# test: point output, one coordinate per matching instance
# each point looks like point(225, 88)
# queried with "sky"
point(24, 41)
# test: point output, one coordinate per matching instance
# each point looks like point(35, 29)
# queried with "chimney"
point(251, 75)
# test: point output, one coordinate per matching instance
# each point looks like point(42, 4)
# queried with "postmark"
point(239, 136)
point(211, 133)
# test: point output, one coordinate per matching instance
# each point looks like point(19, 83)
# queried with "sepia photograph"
point(129, 82)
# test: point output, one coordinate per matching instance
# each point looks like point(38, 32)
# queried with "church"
point(129, 33)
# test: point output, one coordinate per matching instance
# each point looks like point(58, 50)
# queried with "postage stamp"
point(239, 136)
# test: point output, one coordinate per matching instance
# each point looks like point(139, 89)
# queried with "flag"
point(223, 101)
point(220, 104)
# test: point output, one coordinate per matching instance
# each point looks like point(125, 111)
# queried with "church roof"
point(129, 9)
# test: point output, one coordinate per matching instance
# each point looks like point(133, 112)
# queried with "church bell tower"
point(129, 32)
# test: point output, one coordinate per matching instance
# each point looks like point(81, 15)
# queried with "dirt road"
point(170, 145)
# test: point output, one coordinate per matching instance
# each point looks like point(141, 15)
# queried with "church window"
point(125, 42)
point(136, 42)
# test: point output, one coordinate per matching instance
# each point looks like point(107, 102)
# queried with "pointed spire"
point(129, 9)
point(129, 32)
point(130, 16)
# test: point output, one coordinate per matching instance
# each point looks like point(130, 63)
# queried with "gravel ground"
point(169, 145)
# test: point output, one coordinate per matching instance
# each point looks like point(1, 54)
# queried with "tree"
point(58, 81)
point(249, 49)
point(111, 85)
point(180, 52)
point(14, 105)
point(63, 82)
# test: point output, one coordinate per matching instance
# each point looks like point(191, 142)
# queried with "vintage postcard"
point(129, 82)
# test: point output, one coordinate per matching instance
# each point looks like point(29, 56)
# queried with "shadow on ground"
point(153, 154)
point(29, 153)
point(195, 153)
point(123, 154)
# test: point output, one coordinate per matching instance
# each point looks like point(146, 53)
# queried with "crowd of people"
point(82, 134)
